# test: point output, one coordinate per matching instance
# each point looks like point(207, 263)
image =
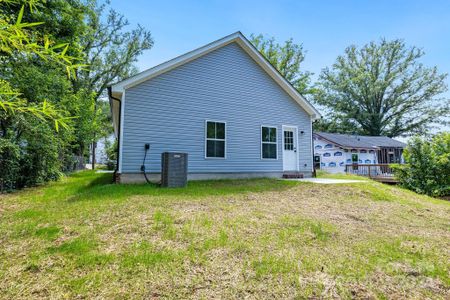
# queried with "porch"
point(379, 172)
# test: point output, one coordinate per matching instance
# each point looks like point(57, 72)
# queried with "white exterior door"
point(290, 155)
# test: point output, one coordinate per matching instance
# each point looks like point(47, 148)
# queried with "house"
point(333, 151)
point(224, 105)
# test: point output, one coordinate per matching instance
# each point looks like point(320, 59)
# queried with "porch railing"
point(374, 171)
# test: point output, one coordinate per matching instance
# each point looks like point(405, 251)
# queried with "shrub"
point(33, 155)
point(9, 164)
point(427, 165)
point(40, 159)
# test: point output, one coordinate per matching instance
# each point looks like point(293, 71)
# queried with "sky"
point(325, 28)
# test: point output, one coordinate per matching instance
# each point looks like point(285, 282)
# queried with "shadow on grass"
point(99, 186)
point(101, 179)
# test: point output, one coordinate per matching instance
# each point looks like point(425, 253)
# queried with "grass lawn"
point(83, 237)
point(323, 174)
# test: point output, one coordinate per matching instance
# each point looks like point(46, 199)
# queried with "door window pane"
point(289, 140)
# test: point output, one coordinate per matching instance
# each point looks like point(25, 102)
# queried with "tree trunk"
point(94, 144)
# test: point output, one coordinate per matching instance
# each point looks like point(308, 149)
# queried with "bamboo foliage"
point(16, 39)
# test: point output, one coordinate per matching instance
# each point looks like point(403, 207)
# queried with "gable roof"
point(360, 141)
point(118, 88)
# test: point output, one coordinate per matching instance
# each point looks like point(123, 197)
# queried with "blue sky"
point(325, 28)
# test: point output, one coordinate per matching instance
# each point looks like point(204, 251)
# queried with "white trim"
point(296, 145)
point(237, 37)
point(122, 121)
point(261, 141)
point(312, 147)
point(224, 140)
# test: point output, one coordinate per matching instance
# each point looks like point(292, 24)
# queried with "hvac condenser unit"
point(174, 167)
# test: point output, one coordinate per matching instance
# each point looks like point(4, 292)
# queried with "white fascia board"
point(237, 37)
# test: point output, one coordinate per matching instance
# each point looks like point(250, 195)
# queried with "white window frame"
point(211, 139)
point(261, 141)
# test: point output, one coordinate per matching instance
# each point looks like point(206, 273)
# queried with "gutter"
point(118, 125)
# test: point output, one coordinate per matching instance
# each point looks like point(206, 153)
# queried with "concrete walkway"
point(328, 180)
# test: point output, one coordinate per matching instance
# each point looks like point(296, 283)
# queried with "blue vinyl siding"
point(170, 110)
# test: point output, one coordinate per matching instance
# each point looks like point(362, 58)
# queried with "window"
point(288, 140)
point(215, 139)
point(269, 142)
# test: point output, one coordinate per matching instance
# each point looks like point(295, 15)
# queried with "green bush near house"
point(427, 165)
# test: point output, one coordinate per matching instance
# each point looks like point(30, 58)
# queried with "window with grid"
point(288, 140)
point(215, 139)
point(269, 142)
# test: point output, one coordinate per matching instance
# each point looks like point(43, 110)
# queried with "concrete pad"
point(327, 180)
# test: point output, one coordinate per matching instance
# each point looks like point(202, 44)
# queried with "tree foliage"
point(382, 89)
point(31, 152)
point(57, 58)
point(110, 50)
point(427, 168)
point(287, 59)
point(19, 40)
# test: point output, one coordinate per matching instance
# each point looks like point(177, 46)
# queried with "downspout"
point(312, 148)
point(118, 128)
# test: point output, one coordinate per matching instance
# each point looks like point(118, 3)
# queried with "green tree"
point(287, 59)
point(111, 51)
point(383, 89)
point(45, 84)
point(31, 99)
point(427, 165)
point(102, 38)
point(20, 40)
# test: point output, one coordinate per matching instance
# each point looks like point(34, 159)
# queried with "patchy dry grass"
point(86, 238)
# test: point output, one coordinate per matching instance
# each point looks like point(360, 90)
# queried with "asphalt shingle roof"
point(361, 141)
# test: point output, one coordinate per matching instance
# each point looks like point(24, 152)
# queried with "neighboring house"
point(333, 151)
point(225, 105)
point(100, 150)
